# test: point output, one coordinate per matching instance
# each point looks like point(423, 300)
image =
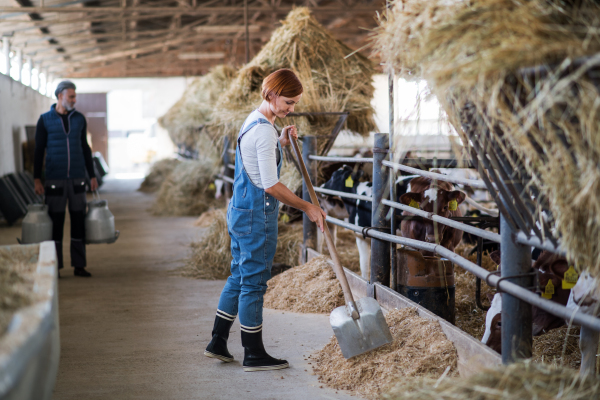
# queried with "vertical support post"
point(309, 147)
point(20, 65)
point(247, 32)
point(380, 250)
point(393, 225)
point(6, 52)
point(30, 72)
point(517, 336)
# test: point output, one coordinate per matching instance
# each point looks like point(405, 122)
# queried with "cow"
point(585, 297)
point(439, 198)
point(347, 179)
point(551, 270)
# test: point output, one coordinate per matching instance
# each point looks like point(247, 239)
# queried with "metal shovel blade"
point(366, 333)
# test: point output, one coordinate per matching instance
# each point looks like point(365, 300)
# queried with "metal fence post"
point(309, 147)
point(380, 250)
point(392, 178)
point(516, 327)
point(228, 187)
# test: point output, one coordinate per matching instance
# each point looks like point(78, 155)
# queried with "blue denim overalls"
point(252, 225)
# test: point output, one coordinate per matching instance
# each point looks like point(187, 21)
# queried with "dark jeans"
point(58, 193)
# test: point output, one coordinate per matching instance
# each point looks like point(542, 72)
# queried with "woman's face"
point(281, 106)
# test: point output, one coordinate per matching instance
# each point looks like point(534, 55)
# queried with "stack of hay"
point(420, 348)
point(211, 256)
point(472, 55)
point(159, 172)
point(331, 82)
point(187, 190)
point(195, 108)
point(506, 382)
point(17, 269)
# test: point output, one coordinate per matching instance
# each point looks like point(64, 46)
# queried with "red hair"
point(282, 82)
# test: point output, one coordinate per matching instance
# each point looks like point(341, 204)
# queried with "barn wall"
point(20, 105)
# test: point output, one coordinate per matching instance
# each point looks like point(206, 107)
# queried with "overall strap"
point(251, 125)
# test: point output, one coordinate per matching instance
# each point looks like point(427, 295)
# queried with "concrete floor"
point(136, 330)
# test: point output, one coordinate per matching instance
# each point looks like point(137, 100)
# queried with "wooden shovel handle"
point(337, 265)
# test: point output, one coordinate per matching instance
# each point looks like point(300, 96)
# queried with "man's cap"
point(62, 86)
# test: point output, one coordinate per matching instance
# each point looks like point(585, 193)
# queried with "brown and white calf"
point(439, 198)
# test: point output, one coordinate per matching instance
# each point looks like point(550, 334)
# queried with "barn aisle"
point(135, 330)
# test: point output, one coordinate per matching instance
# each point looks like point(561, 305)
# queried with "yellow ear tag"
point(453, 205)
point(349, 182)
point(285, 218)
point(414, 204)
point(571, 277)
point(548, 291)
point(212, 186)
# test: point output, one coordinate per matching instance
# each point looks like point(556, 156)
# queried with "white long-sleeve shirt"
point(259, 152)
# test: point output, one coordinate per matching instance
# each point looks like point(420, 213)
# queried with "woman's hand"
point(288, 131)
point(316, 215)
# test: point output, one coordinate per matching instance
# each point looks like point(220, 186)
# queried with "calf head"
point(435, 200)
point(345, 180)
point(495, 339)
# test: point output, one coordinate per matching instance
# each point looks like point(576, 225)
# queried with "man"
point(62, 134)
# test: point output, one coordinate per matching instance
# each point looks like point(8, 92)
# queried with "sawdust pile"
point(17, 269)
point(519, 80)
point(194, 110)
point(308, 288)
point(331, 81)
point(187, 190)
point(159, 172)
point(210, 257)
point(469, 317)
point(524, 380)
point(420, 348)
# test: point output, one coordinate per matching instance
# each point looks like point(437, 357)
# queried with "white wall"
point(20, 105)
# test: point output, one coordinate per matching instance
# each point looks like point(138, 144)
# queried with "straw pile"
point(187, 190)
point(559, 346)
point(331, 81)
point(195, 107)
point(210, 257)
point(506, 382)
point(470, 54)
point(347, 250)
point(17, 266)
point(308, 288)
point(420, 348)
point(159, 172)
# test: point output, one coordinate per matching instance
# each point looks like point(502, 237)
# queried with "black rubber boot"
point(255, 355)
point(81, 272)
point(217, 348)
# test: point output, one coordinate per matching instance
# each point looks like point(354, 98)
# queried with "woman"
point(252, 221)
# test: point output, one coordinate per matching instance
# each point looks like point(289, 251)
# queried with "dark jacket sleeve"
point(41, 140)
point(87, 151)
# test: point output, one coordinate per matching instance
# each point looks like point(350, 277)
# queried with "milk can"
point(100, 223)
point(37, 225)
point(428, 281)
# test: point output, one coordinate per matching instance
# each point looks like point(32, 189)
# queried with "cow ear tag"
point(549, 290)
point(212, 186)
point(349, 182)
point(453, 205)
point(571, 277)
point(285, 218)
point(414, 204)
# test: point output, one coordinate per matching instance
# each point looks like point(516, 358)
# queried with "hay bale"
point(195, 107)
point(523, 380)
point(160, 171)
point(308, 288)
point(17, 269)
point(420, 348)
point(187, 190)
point(207, 217)
point(210, 257)
point(331, 81)
point(470, 54)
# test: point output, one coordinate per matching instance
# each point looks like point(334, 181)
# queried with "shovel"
point(359, 326)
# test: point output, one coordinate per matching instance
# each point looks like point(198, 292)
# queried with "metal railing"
point(516, 245)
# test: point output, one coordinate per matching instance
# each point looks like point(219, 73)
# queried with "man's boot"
point(217, 348)
point(255, 355)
